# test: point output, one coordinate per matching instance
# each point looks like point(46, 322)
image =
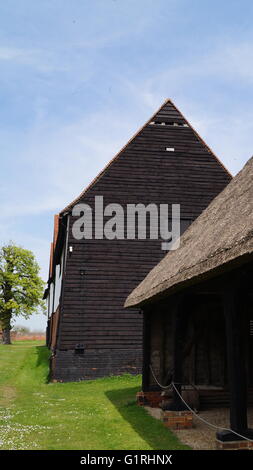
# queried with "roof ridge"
point(101, 173)
point(168, 100)
point(202, 140)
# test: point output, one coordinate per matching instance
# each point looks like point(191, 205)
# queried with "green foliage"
point(92, 415)
point(21, 288)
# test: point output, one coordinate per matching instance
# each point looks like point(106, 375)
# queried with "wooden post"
point(179, 331)
point(146, 352)
point(236, 363)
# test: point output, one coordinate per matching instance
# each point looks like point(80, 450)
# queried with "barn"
point(89, 332)
point(198, 316)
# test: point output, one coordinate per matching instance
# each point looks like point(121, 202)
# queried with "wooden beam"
point(180, 319)
point(146, 351)
point(236, 360)
point(233, 299)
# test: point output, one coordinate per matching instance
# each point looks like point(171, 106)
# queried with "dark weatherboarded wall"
point(92, 310)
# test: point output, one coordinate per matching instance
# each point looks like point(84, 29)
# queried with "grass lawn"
point(99, 414)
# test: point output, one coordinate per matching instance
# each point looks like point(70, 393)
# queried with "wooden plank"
point(144, 172)
point(233, 307)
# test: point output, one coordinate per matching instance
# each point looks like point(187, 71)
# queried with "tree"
point(21, 288)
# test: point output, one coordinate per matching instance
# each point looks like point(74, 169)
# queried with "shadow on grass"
point(150, 429)
point(43, 361)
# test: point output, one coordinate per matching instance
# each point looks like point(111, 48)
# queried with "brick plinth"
point(234, 445)
point(152, 399)
point(67, 366)
point(177, 419)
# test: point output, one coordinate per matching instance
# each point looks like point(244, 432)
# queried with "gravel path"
point(201, 436)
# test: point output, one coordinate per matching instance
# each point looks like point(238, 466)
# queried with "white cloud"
point(41, 60)
point(228, 134)
point(55, 162)
point(225, 63)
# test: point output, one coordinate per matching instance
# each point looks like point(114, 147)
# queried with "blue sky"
point(77, 79)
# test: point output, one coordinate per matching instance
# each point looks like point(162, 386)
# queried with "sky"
point(79, 77)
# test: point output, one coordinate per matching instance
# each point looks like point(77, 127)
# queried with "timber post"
point(233, 301)
point(146, 351)
point(179, 332)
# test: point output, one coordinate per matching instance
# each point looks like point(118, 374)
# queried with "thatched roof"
point(219, 237)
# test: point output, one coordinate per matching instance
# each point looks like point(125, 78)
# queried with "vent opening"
point(79, 349)
point(169, 123)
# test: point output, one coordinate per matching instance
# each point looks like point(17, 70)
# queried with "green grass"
point(99, 414)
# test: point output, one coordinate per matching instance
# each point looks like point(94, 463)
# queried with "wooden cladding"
point(100, 274)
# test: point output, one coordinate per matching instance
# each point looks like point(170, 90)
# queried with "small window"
point(170, 149)
point(79, 349)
